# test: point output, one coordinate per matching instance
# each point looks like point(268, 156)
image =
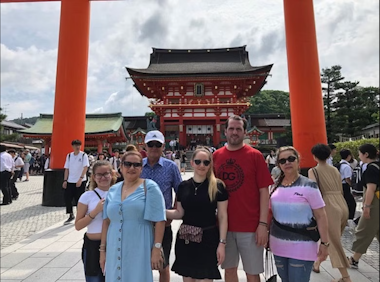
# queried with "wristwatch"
point(223, 241)
point(326, 244)
point(158, 245)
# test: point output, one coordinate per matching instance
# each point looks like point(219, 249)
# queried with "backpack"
point(82, 156)
point(338, 165)
point(357, 185)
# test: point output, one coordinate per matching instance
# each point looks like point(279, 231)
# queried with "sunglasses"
point(205, 162)
point(154, 144)
point(129, 164)
point(290, 159)
point(100, 175)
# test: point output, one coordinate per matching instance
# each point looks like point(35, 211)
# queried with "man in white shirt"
point(346, 173)
point(75, 179)
point(115, 160)
point(332, 154)
point(18, 164)
point(271, 160)
point(6, 168)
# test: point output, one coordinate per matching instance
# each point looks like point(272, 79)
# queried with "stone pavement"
point(54, 253)
point(26, 216)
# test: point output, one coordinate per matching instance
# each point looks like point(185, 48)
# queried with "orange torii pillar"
point(306, 103)
point(70, 91)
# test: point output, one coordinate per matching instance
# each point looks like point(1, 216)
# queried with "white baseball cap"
point(154, 135)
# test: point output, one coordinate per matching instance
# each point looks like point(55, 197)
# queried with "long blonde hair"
point(212, 180)
point(97, 164)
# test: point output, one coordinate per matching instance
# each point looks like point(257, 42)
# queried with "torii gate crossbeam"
point(308, 123)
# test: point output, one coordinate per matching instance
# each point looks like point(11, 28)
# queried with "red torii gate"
point(306, 104)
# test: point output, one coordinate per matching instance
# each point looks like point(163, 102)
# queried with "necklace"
point(291, 183)
point(196, 187)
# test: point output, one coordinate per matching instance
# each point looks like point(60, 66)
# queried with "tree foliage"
point(329, 79)
point(348, 106)
point(353, 146)
point(2, 117)
point(269, 102)
point(22, 121)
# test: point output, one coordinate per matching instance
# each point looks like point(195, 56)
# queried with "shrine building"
point(194, 91)
point(101, 130)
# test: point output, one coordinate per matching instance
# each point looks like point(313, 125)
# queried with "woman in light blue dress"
point(130, 247)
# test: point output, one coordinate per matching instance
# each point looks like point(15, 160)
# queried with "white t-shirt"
point(18, 161)
point(345, 170)
point(115, 162)
point(75, 165)
point(90, 199)
point(329, 160)
point(271, 160)
point(354, 163)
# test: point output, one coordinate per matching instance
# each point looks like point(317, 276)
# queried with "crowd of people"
point(235, 199)
point(23, 163)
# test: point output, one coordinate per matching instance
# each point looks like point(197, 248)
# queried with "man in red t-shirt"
point(245, 173)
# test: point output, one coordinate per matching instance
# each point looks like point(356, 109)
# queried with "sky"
point(122, 33)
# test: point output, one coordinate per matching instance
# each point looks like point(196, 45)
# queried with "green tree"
point(2, 117)
point(150, 114)
point(269, 102)
point(329, 79)
point(355, 107)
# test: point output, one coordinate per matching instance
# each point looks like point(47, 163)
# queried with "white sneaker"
point(351, 224)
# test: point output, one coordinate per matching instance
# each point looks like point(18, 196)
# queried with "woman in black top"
point(183, 163)
point(368, 226)
point(200, 244)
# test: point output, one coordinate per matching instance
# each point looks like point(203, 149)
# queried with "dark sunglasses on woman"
point(129, 164)
point(154, 144)
point(289, 159)
point(205, 162)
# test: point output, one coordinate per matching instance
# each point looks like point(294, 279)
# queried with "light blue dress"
point(130, 233)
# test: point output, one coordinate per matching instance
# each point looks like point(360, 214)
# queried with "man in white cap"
point(166, 174)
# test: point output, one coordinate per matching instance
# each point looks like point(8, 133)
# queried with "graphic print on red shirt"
point(244, 172)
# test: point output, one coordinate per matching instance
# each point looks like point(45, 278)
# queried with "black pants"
point(5, 176)
point(271, 166)
point(167, 244)
point(12, 184)
point(350, 200)
point(90, 258)
point(73, 193)
point(21, 174)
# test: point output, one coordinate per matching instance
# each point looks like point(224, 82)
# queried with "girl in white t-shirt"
point(89, 214)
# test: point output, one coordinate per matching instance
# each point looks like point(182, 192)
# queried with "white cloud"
point(122, 33)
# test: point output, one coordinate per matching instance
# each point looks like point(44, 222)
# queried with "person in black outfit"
point(201, 239)
point(368, 226)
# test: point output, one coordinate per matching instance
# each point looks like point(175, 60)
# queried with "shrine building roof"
point(95, 124)
point(180, 62)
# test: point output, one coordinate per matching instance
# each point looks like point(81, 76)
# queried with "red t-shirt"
point(244, 172)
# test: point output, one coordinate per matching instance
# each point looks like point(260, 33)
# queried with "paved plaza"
point(36, 246)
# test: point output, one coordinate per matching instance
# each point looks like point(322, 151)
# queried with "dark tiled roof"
point(12, 124)
point(199, 61)
point(371, 126)
point(274, 122)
